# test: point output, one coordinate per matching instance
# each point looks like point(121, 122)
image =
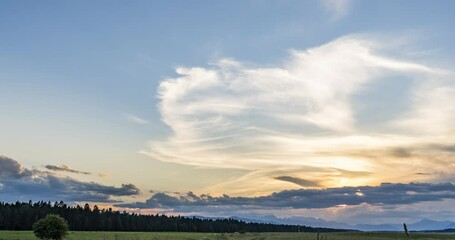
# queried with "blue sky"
point(243, 98)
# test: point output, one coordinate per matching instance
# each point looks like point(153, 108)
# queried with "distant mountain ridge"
point(421, 225)
point(428, 224)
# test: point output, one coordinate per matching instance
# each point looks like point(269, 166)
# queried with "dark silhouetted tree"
point(405, 229)
point(22, 215)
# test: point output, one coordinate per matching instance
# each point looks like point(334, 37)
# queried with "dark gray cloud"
point(408, 152)
point(299, 181)
point(9, 168)
point(423, 173)
point(64, 168)
point(447, 148)
point(19, 183)
point(401, 152)
point(384, 194)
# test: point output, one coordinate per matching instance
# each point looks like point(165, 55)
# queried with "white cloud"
point(433, 112)
point(300, 115)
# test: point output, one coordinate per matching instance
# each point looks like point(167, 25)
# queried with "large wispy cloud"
point(18, 183)
point(306, 116)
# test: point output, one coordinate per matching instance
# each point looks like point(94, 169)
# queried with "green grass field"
point(28, 235)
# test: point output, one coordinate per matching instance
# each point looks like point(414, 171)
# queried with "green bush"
point(51, 227)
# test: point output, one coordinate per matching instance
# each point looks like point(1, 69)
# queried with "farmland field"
point(28, 235)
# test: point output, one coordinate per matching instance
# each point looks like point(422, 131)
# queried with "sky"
point(341, 110)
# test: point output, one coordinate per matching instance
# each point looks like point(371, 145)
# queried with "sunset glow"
point(331, 110)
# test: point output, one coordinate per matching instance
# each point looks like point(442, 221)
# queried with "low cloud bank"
point(18, 183)
point(384, 194)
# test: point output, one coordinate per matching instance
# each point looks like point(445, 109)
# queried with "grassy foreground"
point(28, 235)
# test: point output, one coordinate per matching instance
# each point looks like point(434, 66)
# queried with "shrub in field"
point(51, 227)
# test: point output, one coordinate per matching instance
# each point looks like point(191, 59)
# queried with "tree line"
point(22, 215)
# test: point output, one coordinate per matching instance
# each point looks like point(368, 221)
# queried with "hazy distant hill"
point(421, 225)
point(428, 224)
